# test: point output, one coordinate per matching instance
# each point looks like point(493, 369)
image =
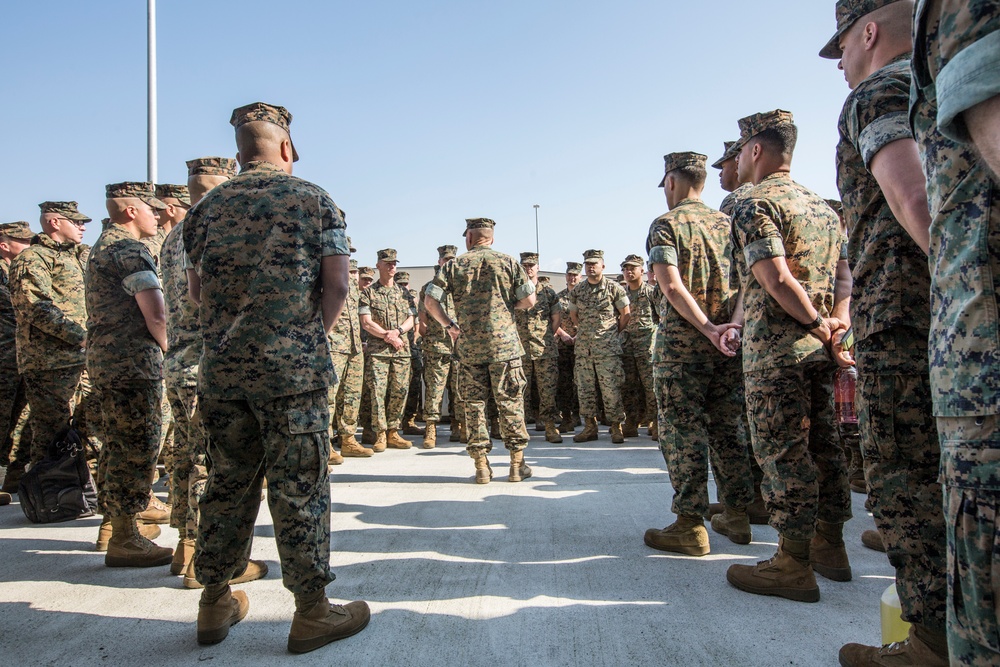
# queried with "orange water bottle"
point(845, 382)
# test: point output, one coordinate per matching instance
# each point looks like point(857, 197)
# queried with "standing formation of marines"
point(234, 301)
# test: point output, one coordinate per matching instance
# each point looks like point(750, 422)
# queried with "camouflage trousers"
point(504, 381)
point(440, 373)
point(365, 411)
point(970, 473)
point(167, 433)
point(798, 447)
point(13, 400)
point(699, 408)
point(187, 481)
point(344, 396)
point(639, 392)
point(566, 398)
point(607, 371)
point(415, 392)
point(902, 457)
point(281, 439)
point(389, 380)
point(53, 395)
point(132, 439)
point(545, 374)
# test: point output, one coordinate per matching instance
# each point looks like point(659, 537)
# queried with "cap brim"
point(624, 264)
point(155, 203)
point(663, 183)
point(295, 153)
point(832, 49)
point(591, 261)
point(79, 217)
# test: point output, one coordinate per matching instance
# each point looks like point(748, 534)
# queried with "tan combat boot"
point(924, 647)
point(617, 437)
point(317, 621)
point(827, 552)
point(5, 498)
point(653, 431)
point(183, 555)
point(734, 524)
point(255, 569)
point(784, 575)
point(757, 511)
point(873, 540)
point(155, 512)
point(484, 473)
point(588, 433)
point(430, 435)
point(518, 468)
point(687, 536)
point(495, 433)
point(631, 427)
point(368, 436)
point(552, 433)
point(379, 442)
point(396, 441)
point(335, 458)
point(410, 427)
point(456, 431)
point(566, 426)
point(220, 608)
point(713, 509)
point(128, 548)
point(350, 447)
point(148, 530)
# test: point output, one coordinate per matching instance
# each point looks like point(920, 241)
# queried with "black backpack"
point(59, 487)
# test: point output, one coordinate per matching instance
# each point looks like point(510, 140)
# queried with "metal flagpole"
point(536, 229)
point(151, 91)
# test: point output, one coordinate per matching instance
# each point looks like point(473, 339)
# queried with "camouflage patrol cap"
point(753, 125)
point(632, 260)
point(674, 161)
point(267, 113)
point(529, 258)
point(178, 192)
point(366, 271)
point(105, 223)
point(478, 223)
point(353, 265)
point(19, 230)
point(574, 267)
point(728, 153)
point(212, 166)
point(387, 255)
point(544, 280)
point(350, 246)
point(447, 252)
point(66, 209)
point(848, 13)
point(145, 192)
point(836, 205)
point(402, 278)
point(593, 256)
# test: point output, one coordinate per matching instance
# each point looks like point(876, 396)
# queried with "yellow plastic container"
point(894, 628)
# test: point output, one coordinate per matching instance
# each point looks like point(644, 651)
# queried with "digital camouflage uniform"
point(168, 443)
point(788, 374)
point(485, 285)
point(440, 368)
point(348, 365)
point(890, 315)
point(699, 391)
point(125, 364)
point(387, 371)
point(46, 287)
point(567, 402)
point(414, 394)
point(257, 241)
point(12, 390)
point(541, 359)
point(638, 393)
point(954, 66)
point(598, 347)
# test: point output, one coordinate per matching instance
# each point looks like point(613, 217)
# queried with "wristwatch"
point(815, 324)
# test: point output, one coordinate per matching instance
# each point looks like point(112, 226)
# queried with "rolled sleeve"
point(622, 304)
point(335, 242)
point(766, 248)
point(524, 291)
point(435, 292)
point(663, 254)
point(364, 310)
point(140, 281)
point(971, 77)
point(882, 132)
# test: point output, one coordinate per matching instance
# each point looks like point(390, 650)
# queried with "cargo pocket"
point(307, 451)
point(876, 400)
point(514, 381)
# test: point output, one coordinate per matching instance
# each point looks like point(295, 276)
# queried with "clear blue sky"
point(417, 115)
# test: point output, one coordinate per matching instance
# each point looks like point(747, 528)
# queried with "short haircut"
point(692, 175)
point(780, 139)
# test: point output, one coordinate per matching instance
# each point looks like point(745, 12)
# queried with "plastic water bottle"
point(894, 628)
point(844, 383)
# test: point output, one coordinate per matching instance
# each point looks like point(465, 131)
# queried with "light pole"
point(536, 229)
point(151, 91)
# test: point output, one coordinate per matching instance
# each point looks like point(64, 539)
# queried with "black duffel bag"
point(59, 487)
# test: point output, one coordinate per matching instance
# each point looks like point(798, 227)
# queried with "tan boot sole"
point(216, 635)
point(679, 549)
point(795, 594)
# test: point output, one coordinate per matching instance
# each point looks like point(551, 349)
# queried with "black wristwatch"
point(815, 324)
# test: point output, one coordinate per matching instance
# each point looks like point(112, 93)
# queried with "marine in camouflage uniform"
point(699, 391)
point(954, 68)
point(265, 368)
point(637, 350)
point(387, 315)
point(594, 306)
point(125, 362)
point(440, 367)
point(486, 287)
point(46, 288)
point(890, 314)
point(366, 275)
point(788, 370)
point(14, 238)
point(566, 399)
point(536, 327)
point(414, 394)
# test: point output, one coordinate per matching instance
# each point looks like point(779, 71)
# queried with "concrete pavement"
point(551, 571)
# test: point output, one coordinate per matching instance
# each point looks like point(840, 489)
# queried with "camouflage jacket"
point(155, 244)
point(388, 306)
point(257, 241)
point(8, 323)
point(180, 362)
point(534, 325)
point(780, 218)
point(46, 287)
point(597, 309)
point(485, 285)
point(567, 323)
point(436, 340)
point(891, 279)
point(698, 241)
point(345, 337)
point(637, 339)
point(119, 346)
point(413, 335)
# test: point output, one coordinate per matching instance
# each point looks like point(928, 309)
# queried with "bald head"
point(474, 237)
point(263, 141)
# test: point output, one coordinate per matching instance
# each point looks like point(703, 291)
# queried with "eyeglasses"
point(78, 223)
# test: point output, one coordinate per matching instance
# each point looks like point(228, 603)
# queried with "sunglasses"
point(78, 223)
